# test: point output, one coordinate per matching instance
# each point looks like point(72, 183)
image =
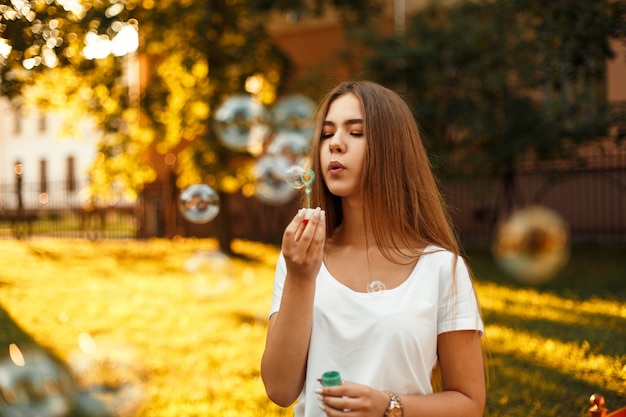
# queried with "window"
point(17, 121)
point(70, 181)
point(43, 123)
point(43, 176)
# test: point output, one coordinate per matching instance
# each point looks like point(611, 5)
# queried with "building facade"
point(33, 151)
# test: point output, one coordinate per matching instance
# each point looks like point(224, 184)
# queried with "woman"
point(373, 285)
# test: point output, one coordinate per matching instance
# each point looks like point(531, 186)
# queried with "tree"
point(495, 81)
point(197, 52)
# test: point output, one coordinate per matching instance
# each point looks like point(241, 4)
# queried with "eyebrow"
point(347, 122)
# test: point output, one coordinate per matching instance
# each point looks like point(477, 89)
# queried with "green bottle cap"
point(331, 378)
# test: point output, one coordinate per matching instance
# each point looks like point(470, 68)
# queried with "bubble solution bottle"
point(331, 379)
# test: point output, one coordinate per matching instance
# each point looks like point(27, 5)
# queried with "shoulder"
point(439, 255)
point(445, 262)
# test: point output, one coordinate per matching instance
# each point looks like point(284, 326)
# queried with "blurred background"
point(175, 122)
point(110, 109)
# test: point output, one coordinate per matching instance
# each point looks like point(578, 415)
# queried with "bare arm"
point(463, 383)
point(283, 366)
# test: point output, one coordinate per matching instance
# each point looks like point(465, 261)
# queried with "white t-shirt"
point(388, 339)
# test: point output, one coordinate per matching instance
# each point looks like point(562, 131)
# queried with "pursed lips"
point(334, 167)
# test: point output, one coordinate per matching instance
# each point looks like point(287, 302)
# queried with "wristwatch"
point(394, 409)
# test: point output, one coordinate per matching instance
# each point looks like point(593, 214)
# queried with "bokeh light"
point(199, 203)
point(124, 42)
point(532, 244)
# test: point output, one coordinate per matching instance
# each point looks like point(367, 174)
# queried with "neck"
point(354, 230)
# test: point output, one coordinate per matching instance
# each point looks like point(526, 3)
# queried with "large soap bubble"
point(199, 203)
point(33, 385)
point(271, 186)
point(211, 271)
point(290, 144)
point(295, 114)
point(532, 245)
point(242, 123)
point(111, 372)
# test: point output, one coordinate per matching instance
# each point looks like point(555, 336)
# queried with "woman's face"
point(342, 146)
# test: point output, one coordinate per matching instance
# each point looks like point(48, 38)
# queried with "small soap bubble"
point(199, 203)
point(293, 176)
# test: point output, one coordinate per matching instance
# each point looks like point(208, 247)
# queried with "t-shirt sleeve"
point(279, 283)
point(458, 305)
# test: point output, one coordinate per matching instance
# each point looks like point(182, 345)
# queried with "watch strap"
point(394, 403)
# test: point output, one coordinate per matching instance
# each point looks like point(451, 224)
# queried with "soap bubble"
point(298, 177)
point(214, 261)
point(290, 144)
point(293, 176)
point(242, 123)
point(271, 187)
point(199, 203)
point(110, 372)
point(295, 114)
point(33, 385)
point(211, 271)
point(532, 244)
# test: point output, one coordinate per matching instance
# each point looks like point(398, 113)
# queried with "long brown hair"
point(400, 194)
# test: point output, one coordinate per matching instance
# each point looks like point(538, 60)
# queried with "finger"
point(339, 405)
point(294, 228)
point(315, 230)
point(319, 238)
point(299, 223)
point(306, 234)
point(308, 213)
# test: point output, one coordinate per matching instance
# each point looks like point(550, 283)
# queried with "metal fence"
point(592, 201)
point(56, 210)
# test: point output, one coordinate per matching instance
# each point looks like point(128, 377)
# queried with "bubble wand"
point(298, 177)
point(307, 178)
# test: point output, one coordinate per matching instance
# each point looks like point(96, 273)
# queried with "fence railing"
point(593, 202)
point(52, 209)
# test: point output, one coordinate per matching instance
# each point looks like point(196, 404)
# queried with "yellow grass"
point(186, 328)
point(197, 336)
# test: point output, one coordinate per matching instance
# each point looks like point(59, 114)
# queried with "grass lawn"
point(169, 335)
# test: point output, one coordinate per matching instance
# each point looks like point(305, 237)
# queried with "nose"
point(336, 145)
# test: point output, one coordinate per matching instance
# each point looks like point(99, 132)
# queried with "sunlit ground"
point(180, 330)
